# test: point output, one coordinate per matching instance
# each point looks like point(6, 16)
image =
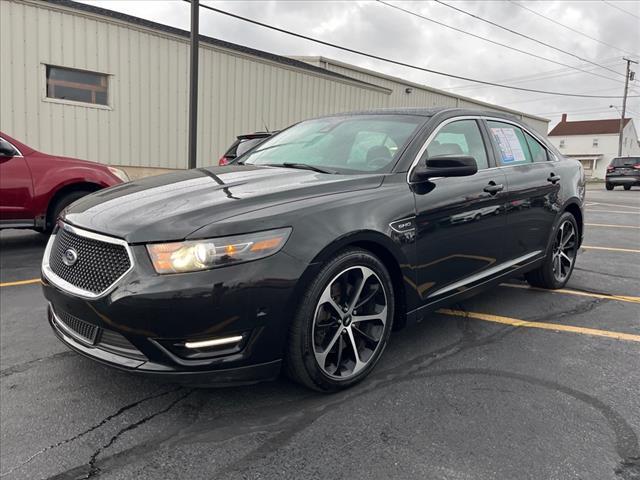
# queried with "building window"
point(77, 85)
point(595, 142)
point(561, 144)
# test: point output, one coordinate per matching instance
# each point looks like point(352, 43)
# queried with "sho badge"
point(70, 257)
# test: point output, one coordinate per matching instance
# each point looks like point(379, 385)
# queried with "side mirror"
point(6, 150)
point(444, 166)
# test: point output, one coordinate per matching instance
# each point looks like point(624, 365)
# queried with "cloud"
point(379, 29)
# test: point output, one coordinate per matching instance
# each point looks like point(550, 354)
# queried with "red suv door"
point(16, 187)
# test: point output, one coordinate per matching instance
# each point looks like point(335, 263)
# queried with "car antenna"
point(265, 125)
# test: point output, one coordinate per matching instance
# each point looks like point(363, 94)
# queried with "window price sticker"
point(510, 147)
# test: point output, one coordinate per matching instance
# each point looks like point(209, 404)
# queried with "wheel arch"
point(379, 245)
point(573, 207)
point(65, 190)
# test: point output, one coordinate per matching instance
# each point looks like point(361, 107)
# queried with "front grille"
point(99, 264)
point(116, 343)
point(84, 330)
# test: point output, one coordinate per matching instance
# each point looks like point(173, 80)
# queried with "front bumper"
point(157, 314)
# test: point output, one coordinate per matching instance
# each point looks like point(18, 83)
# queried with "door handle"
point(492, 188)
point(553, 178)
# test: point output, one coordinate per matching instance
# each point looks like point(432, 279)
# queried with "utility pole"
point(193, 83)
point(624, 101)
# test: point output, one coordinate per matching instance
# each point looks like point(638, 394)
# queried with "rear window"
point(621, 162)
point(248, 144)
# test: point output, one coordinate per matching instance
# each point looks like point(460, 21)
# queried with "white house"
point(594, 142)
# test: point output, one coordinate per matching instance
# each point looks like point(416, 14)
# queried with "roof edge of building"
point(416, 85)
point(222, 44)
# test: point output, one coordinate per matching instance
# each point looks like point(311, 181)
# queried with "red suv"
point(36, 187)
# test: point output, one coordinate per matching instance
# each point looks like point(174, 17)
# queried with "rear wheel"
point(627, 187)
point(343, 323)
point(559, 263)
point(609, 186)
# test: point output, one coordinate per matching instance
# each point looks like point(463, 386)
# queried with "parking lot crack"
point(88, 430)
point(94, 469)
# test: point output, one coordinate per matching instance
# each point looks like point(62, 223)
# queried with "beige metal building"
point(91, 83)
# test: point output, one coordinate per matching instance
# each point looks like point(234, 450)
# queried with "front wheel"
point(558, 265)
point(343, 322)
point(627, 187)
point(608, 186)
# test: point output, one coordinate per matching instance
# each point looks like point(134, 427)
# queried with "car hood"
point(172, 206)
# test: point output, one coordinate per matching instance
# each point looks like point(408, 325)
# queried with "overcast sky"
point(376, 28)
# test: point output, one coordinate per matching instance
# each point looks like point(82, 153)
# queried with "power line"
point(560, 72)
point(621, 9)
point(477, 17)
point(517, 4)
point(537, 99)
point(395, 62)
point(415, 14)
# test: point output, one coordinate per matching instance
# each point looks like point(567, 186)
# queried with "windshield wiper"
point(306, 166)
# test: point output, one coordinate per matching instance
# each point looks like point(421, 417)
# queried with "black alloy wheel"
point(343, 323)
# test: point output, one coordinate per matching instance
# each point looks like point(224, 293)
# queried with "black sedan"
point(306, 254)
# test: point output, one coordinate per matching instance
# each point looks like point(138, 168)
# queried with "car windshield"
point(621, 162)
point(346, 144)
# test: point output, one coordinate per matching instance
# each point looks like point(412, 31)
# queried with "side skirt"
point(419, 314)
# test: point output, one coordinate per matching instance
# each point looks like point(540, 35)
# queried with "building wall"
point(576, 145)
point(145, 125)
point(146, 122)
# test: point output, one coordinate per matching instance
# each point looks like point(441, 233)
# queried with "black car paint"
point(409, 226)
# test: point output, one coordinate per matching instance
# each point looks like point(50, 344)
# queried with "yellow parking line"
point(620, 298)
point(609, 225)
point(542, 325)
point(20, 282)
point(613, 211)
point(611, 249)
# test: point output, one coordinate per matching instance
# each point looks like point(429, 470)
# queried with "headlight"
point(195, 255)
point(121, 174)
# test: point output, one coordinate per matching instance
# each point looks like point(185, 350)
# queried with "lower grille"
point(95, 336)
point(116, 343)
point(80, 329)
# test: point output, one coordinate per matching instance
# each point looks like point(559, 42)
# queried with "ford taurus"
point(306, 252)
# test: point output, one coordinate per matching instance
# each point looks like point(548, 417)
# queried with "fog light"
point(214, 342)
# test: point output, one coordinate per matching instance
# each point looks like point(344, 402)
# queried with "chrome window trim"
point(14, 147)
point(475, 117)
point(70, 288)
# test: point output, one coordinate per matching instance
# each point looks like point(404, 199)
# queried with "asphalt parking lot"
point(516, 383)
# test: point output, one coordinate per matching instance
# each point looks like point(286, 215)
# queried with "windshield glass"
point(354, 144)
point(621, 162)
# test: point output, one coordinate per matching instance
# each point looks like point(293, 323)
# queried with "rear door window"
point(511, 143)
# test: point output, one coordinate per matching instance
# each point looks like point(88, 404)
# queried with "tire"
point(323, 337)
point(627, 187)
point(608, 186)
point(546, 276)
point(62, 203)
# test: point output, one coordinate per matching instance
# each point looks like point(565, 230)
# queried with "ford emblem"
point(70, 257)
